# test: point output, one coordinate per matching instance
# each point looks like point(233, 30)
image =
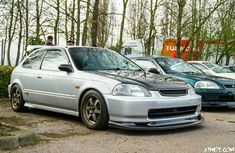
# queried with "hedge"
point(5, 75)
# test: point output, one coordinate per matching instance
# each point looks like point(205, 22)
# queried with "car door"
point(29, 68)
point(55, 88)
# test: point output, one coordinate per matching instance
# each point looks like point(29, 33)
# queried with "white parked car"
point(104, 88)
point(210, 68)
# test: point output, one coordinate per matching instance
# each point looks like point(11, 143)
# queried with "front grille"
point(229, 85)
point(173, 92)
point(168, 112)
point(218, 98)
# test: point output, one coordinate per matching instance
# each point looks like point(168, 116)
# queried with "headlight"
point(206, 85)
point(130, 90)
point(191, 90)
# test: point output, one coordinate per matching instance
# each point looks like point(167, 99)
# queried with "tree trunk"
point(37, 20)
point(85, 28)
point(66, 21)
point(26, 24)
point(153, 9)
point(19, 6)
point(72, 21)
point(57, 22)
point(94, 26)
point(122, 24)
point(78, 22)
point(10, 33)
point(181, 5)
point(3, 52)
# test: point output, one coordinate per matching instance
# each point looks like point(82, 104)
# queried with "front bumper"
point(217, 98)
point(133, 112)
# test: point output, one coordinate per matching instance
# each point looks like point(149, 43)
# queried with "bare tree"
point(94, 24)
point(153, 10)
point(78, 21)
point(19, 9)
point(181, 5)
point(57, 22)
point(85, 27)
point(11, 31)
point(124, 4)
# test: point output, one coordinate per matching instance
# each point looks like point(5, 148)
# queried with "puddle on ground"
point(231, 121)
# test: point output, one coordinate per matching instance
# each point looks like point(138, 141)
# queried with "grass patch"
point(6, 130)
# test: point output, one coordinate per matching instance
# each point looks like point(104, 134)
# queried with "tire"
point(94, 111)
point(17, 101)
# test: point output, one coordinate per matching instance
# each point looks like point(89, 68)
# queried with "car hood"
point(193, 78)
point(150, 81)
point(226, 75)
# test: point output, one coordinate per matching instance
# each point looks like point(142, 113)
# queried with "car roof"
point(198, 61)
point(153, 57)
point(148, 57)
point(65, 47)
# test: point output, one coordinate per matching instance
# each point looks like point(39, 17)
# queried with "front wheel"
point(94, 111)
point(17, 101)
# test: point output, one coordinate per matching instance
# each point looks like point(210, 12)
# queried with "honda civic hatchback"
point(102, 87)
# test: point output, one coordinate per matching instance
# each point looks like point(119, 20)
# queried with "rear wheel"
point(94, 111)
point(17, 101)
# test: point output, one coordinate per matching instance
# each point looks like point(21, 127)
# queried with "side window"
point(34, 60)
point(200, 67)
point(53, 59)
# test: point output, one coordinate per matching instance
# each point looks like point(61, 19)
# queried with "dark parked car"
point(215, 91)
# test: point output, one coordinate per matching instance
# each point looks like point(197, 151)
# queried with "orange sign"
point(169, 48)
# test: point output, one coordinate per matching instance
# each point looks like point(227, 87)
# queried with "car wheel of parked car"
point(17, 101)
point(94, 111)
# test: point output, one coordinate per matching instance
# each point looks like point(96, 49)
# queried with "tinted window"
point(200, 67)
point(34, 60)
point(145, 64)
point(216, 68)
point(172, 65)
point(53, 59)
point(100, 59)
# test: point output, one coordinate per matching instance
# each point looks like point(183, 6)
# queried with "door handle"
point(39, 77)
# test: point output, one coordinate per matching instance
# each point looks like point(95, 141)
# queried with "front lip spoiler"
point(133, 126)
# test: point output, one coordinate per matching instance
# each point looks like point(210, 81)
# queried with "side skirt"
point(58, 110)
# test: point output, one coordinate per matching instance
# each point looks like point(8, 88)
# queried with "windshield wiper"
point(190, 72)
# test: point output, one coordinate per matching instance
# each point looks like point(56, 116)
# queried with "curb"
point(20, 138)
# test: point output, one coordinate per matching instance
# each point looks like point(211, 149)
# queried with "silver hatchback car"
point(103, 88)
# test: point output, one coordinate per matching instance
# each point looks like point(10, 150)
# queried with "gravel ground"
point(58, 133)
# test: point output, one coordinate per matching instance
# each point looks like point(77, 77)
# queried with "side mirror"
point(66, 67)
point(154, 70)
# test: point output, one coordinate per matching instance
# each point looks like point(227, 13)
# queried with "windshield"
point(100, 59)
point(216, 68)
point(146, 65)
point(170, 65)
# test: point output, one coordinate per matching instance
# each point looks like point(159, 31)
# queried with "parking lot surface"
point(59, 133)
